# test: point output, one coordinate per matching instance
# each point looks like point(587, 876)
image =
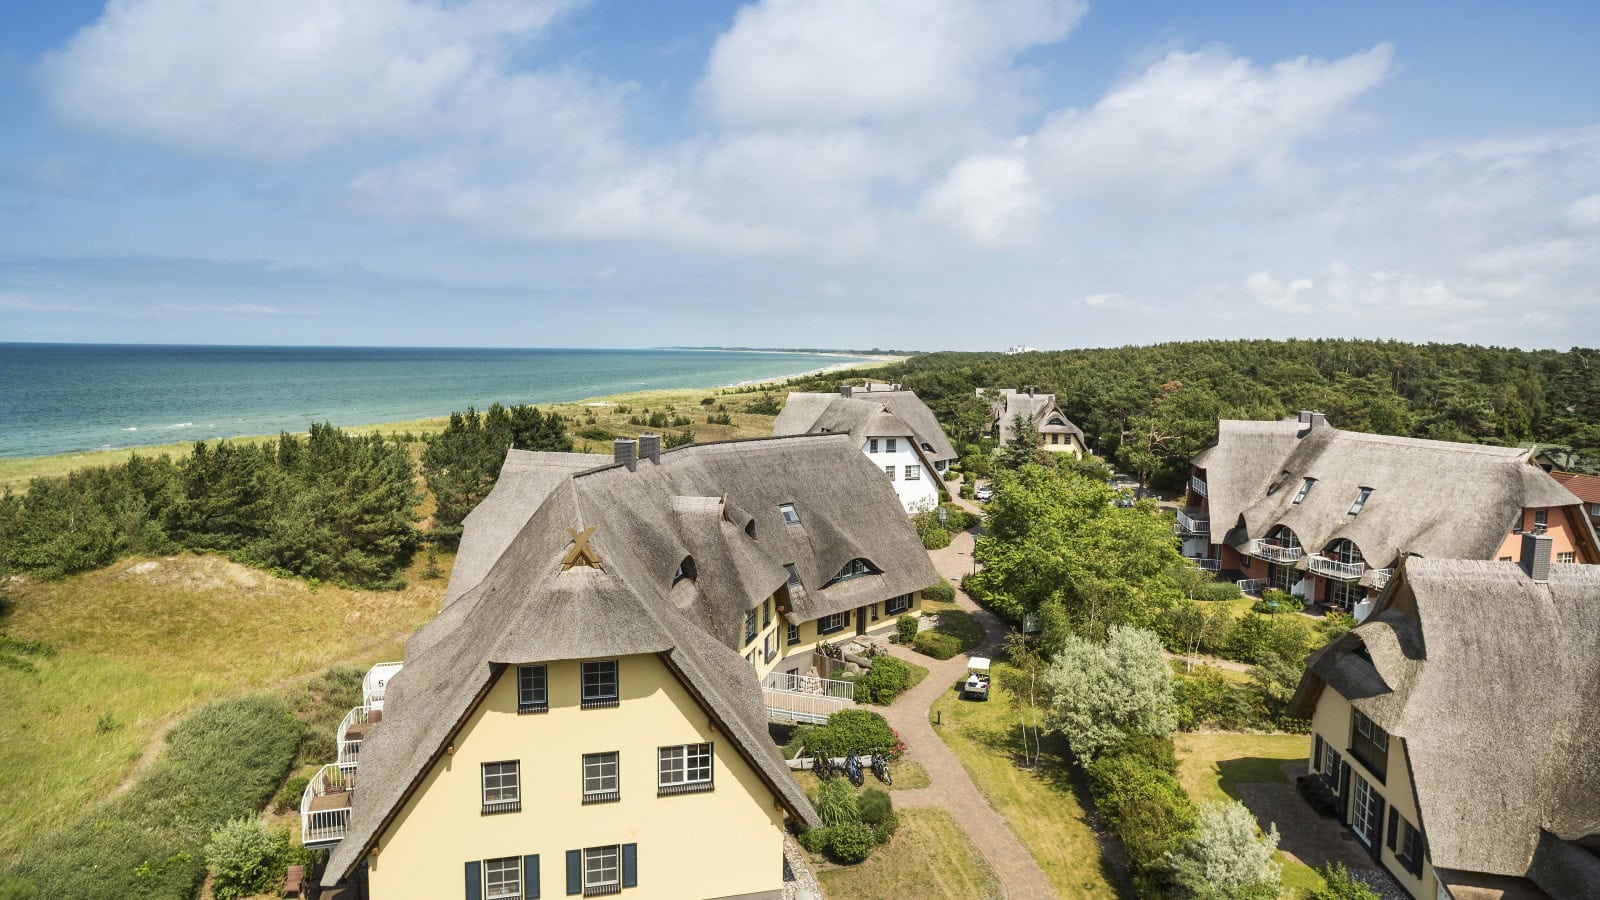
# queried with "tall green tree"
point(462, 462)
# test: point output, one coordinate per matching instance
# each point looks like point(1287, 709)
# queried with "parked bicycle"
point(880, 768)
point(852, 768)
point(821, 766)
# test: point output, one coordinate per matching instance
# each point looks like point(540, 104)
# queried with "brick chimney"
point(650, 447)
point(625, 451)
point(1536, 556)
point(845, 390)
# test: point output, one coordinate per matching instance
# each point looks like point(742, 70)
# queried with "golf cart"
point(977, 683)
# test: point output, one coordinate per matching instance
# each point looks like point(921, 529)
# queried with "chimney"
point(650, 447)
point(1536, 556)
point(625, 451)
point(1305, 417)
point(845, 390)
point(1030, 392)
point(1318, 420)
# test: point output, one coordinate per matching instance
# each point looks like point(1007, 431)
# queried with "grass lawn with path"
point(1042, 807)
point(928, 857)
point(1211, 763)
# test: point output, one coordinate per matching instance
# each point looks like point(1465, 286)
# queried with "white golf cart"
point(977, 684)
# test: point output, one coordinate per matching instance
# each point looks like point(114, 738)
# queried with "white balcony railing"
point(352, 730)
point(325, 806)
point(1332, 568)
point(377, 680)
point(1380, 578)
point(1193, 523)
point(810, 684)
point(1253, 586)
point(805, 698)
point(1272, 552)
point(1198, 485)
point(1210, 565)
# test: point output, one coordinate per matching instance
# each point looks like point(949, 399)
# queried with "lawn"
point(1210, 764)
point(1043, 808)
point(905, 775)
point(929, 856)
point(143, 641)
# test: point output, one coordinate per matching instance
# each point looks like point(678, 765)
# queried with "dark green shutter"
point(1377, 845)
point(530, 877)
point(1422, 851)
point(474, 881)
point(1316, 754)
point(630, 865)
point(1394, 826)
point(574, 871)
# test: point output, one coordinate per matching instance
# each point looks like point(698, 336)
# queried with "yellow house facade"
point(588, 714)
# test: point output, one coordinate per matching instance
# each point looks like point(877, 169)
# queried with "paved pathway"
point(951, 788)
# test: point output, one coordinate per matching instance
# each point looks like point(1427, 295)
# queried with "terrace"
point(1333, 568)
point(805, 698)
point(1193, 522)
point(1272, 551)
point(352, 730)
point(325, 807)
point(1198, 485)
point(376, 682)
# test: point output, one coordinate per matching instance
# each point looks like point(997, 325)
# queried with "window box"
point(599, 684)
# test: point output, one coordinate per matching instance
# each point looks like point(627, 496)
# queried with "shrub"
point(836, 803)
point(1273, 606)
point(595, 433)
point(17, 889)
point(816, 839)
point(707, 401)
point(850, 843)
point(288, 797)
point(905, 629)
point(935, 538)
point(874, 806)
point(719, 419)
point(246, 858)
point(941, 590)
point(766, 406)
point(1338, 884)
point(1218, 590)
point(1143, 804)
point(884, 681)
point(967, 491)
point(936, 645)
point(1227, 856)
point(853, 730)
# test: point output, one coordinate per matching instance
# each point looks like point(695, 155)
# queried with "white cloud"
point(808, 63)
point(1271, 293)
point(1584, 212)
point(282, 78)
point(989, 199)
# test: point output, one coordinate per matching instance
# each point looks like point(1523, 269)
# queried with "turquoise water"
point(61, 398)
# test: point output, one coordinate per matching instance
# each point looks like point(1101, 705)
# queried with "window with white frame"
point(1305, 488)
point(1346, 594)
point(913, 473)
point(834, 622)
point(1541, 520)
point(602, 869)
point(791, 516)
point(532, 693)
point(600, 778)
point(683, 769)
point(889, 471)
point(1567, 557)
point(502, 878)
point(855, 568)
point(749, 625)
point(890, 444)
point(896, 605)
point(599, 683)
point(1364, 811)
point(872, 445)
point(502, 786)
point(794, 634)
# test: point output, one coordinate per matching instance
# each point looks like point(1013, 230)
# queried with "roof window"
point(855, 568)
point(794, 574)
point(1361, 501)
point(790, 515)
point(1305, 488)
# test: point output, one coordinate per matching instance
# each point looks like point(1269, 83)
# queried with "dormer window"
point(685, 570)
point(750, 528)
point(1361, 501)
point(855, 568)
point(1305, 488)
point(794, 574)
point(927, 447)
point(790, 516)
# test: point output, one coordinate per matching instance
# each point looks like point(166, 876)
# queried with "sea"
point(66, 398)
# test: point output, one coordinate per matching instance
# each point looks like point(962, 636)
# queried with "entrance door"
point(861, 620)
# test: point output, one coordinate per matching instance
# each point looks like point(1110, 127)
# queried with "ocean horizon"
point(66, 398)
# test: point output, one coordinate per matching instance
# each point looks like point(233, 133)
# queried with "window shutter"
point(530, 877)
point(630, 865)
point(1415, 865)
point(1377, 823)
point(1316, 753)
point(574, 871)
point(474, 880)
point(1394, 826)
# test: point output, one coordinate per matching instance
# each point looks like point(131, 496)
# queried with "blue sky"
point(961, 175)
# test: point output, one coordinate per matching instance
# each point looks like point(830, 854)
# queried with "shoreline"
point(15, 471)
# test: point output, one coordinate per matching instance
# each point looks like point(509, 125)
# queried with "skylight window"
point(1361, 501)
point(1305, 488)
point(790, 516)
point(794, 574)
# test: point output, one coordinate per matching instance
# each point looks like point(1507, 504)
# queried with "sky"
point(911, 174)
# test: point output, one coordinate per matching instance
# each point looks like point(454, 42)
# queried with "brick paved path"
point(951, 788)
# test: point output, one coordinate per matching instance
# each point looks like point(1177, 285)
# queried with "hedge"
point(942, 591)
point(850, 730)
point(880, 684)
point(1137, 793)
point(936, 645)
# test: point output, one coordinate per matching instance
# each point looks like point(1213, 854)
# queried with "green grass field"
point(1211, 764)
point(928, 857)
point(1042, 807)
point(143, 641)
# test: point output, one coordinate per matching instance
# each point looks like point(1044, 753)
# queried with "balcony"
point(1332, 568)
point(1198, 485)
point(1252, 586)
point(1380, 578)
point(805, 698)
point(1200, 562)
point(1194, 522)
point(325, 807)
point(377, 680)
point(1274, 552)
point(352, 731)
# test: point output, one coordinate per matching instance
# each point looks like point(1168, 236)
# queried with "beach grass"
point(143, 641)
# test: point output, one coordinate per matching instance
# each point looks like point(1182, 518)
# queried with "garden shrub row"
point(1136, 790)
point(936, 645)
point(857, 731)
point(222, 763)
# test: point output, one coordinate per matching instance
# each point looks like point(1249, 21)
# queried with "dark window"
point(1305, 488)
point(794, 634)
point(685, 570)
point(749, 625)
point(532, 695)
point(1541, 520)
point(855, 568)
point(766, 613)
point(890, 444)
point(831, 623)
point(600, 778)
point(599, 684)
point(1411, 849)
point(896, 605)
point(1369, 744)
point(1361, 501)
point(872, 445)
point(502, 788)
point(790, 515)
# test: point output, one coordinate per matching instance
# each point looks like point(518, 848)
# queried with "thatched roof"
point(1493, 681)
point(1429, 498)
point(1005, 404)
point(716, 504)
point(910, 409)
